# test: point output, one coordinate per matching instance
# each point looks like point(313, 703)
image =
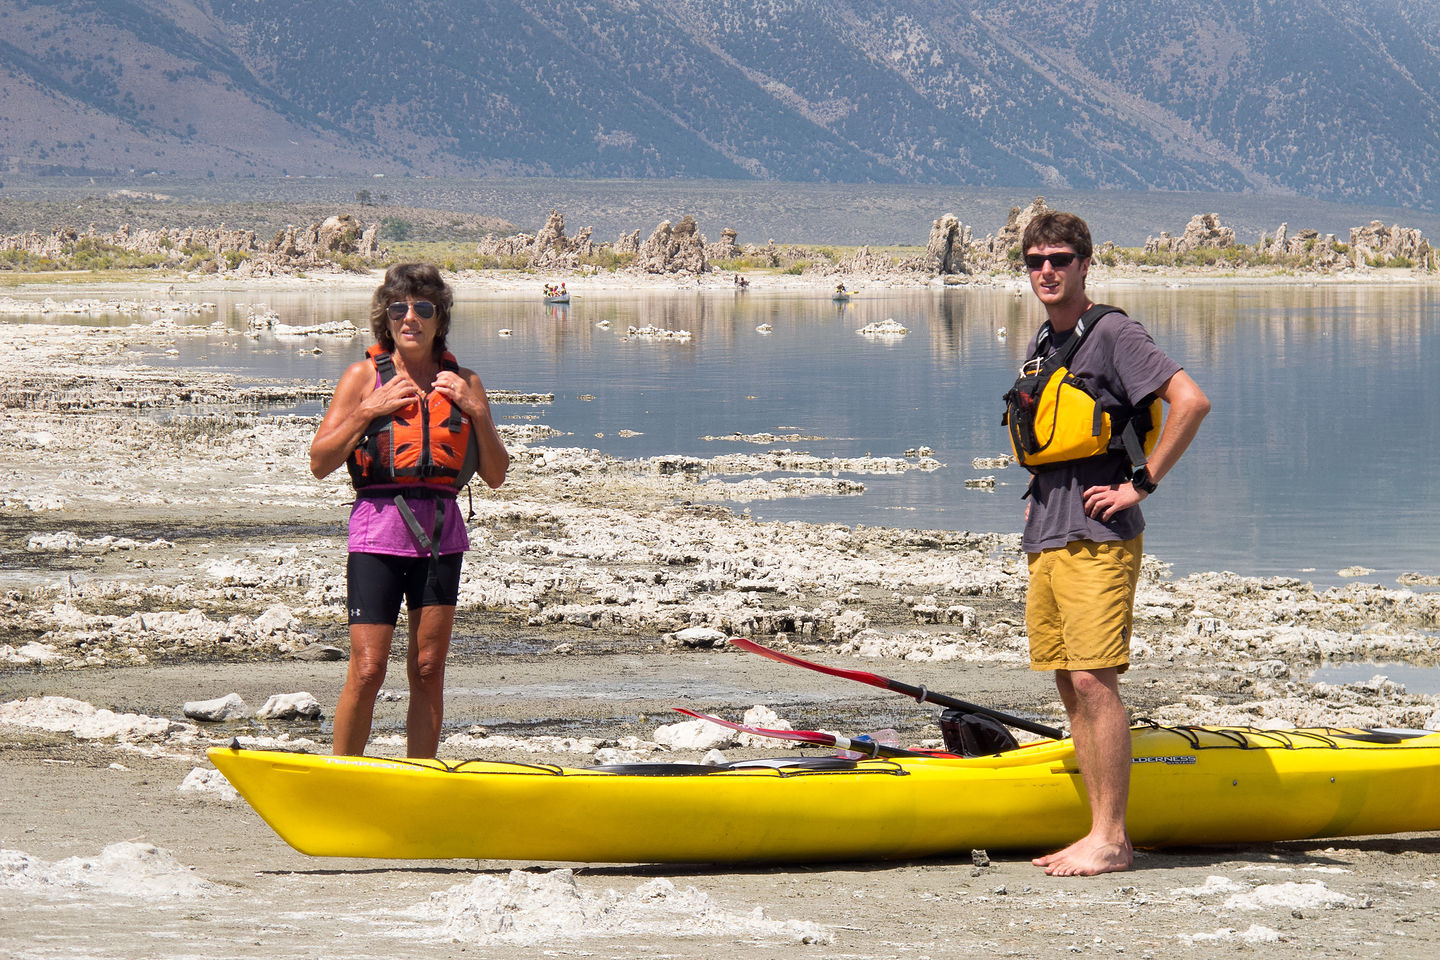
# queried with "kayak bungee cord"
point(920, 694)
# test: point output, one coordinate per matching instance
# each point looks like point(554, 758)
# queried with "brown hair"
point(1054, 227)
point(422, 281)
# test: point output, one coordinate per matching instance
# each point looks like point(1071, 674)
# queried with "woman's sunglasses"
point(1059, 261)
point(424, 309)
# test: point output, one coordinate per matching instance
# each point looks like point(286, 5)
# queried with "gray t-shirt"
point(1118, 358)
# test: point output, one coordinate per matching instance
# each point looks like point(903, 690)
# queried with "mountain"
point(1333, 99)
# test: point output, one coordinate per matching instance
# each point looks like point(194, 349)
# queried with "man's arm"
point(1186, 406)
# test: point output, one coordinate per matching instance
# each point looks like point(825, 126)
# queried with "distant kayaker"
point(1083, 529)
point(407, 537)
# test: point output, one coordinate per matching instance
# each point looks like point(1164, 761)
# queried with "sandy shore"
point(165, 544)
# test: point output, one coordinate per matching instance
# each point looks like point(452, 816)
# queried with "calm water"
point(1322, 451)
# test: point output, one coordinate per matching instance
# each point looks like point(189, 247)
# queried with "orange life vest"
point(430, 444)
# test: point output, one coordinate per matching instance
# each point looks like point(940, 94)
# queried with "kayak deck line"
point(1299, 738)
point(777, 766)
point(1189, 785)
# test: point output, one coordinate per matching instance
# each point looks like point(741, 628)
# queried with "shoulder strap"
point(384, 365)
point(1082, 327)
point(448, 362)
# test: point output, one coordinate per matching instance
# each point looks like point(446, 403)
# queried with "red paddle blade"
point(750, 646)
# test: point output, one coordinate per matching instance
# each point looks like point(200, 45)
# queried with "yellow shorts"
point(1081, 604)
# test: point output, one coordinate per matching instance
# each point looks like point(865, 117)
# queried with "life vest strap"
point(411, 491)
point(429, 542)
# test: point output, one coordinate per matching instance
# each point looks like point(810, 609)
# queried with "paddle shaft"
point(920, 694)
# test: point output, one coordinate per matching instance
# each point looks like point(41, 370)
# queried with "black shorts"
point(375, 582)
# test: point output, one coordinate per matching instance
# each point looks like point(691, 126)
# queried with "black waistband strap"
point(416, 492)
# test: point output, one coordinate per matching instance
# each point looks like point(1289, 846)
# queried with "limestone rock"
point(866, 261)
point(674, 249)
point(993, 253)
point(727, 248)
point(228, 707)
point(550, 249)
point(1378, 243)
point(289, 706)
point(1205, 230)
point(948, 245)
point(628, 243)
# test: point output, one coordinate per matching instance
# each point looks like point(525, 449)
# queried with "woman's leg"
point(430, 630)
point(369, 654)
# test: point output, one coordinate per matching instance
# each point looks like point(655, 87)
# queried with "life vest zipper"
point(427, 462)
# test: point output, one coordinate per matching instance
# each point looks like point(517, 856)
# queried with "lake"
point(1322, 452)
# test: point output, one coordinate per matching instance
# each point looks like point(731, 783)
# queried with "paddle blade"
point(750, 646)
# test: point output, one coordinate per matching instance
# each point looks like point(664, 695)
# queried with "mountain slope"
point(1329, 98)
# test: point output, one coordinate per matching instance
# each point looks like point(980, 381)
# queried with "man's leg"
point(1101, 730)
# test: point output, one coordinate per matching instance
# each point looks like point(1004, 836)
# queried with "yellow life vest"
point(1056, 418)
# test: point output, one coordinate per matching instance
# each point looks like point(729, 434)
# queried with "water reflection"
point(1416, 679)
point(1320, 453)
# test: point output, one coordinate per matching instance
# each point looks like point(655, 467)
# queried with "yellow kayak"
point(1189, 785)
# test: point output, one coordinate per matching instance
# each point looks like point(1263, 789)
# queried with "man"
point(1083, 533)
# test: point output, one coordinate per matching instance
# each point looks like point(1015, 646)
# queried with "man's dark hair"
point(1054, 227)
point(420, 281)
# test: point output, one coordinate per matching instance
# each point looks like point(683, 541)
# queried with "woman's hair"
point(419, 281)
point(1053, 228)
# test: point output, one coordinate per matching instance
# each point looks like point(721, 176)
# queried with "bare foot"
point(1087, 857)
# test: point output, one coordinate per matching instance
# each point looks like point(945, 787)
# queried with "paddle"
point(817, 737)
point(921, 694)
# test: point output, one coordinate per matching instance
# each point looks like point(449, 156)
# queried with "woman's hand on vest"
point(399, 395)
point(1102, 503)
point(459, 391)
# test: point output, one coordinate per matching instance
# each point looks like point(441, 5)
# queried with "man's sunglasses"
point(424, 309)
point(1036, 261)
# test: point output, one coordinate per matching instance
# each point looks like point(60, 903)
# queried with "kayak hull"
point(1189, 785)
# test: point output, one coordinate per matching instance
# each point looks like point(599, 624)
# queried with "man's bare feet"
point(1088, 857)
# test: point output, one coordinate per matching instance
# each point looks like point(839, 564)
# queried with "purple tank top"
point(376, 526)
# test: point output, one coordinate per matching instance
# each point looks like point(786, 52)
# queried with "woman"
point(412, 426)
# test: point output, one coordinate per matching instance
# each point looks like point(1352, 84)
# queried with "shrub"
point(606, 258)
point(396, 228)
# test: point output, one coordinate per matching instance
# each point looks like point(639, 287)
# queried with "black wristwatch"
point(1140, 480)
